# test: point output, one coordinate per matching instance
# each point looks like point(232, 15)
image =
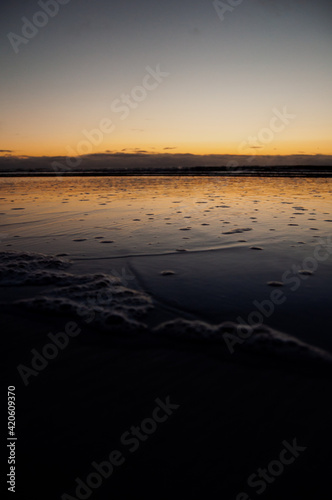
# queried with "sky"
point(184, 76)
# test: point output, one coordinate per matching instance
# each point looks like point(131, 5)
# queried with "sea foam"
point(103, 302)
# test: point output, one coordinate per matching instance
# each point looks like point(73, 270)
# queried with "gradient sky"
point(226, 77)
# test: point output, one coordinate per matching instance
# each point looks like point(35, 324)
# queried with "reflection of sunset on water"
point(158, 214)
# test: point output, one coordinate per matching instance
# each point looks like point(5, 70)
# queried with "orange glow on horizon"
point(202, 149)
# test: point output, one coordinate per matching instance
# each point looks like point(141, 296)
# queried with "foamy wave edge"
point(103, 302)
point(260, 339)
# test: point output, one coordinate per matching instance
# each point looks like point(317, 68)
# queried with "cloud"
point(141, 160)
point(6, 151)
point(171, 148)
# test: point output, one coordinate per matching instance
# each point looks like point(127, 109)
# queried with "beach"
point(166, 249)
point(195, 310)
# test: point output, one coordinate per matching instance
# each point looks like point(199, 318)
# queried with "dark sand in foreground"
point(234, 414)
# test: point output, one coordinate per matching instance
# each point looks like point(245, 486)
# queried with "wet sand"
point(234, 414)
point(157, 308)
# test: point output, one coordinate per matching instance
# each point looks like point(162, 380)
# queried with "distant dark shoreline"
point(281, 171)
